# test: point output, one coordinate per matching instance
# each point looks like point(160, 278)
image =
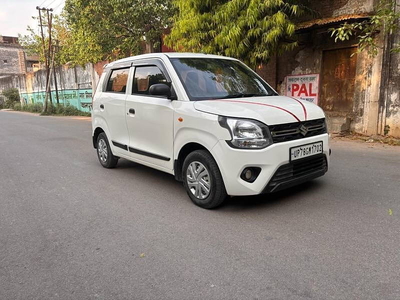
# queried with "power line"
point(50, 3)
point(42, 3)
point(47, 5)
point(58, 5)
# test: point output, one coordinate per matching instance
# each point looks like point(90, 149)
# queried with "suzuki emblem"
point(303, 130)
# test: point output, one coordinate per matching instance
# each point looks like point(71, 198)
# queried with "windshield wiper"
point(241, 95)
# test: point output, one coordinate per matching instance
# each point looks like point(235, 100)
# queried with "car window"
point(117, 81)
point(145, 77)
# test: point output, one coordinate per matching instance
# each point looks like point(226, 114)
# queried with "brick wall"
point(99, 67)
point(268, 71)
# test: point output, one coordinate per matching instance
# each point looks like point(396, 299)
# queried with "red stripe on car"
point(258, 103)
point(302, 105)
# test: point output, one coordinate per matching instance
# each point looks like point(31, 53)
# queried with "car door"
point(150, 118)
point(112, 107)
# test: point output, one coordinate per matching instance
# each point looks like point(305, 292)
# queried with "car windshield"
point(213, 78)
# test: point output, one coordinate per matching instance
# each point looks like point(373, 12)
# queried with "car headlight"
point(246, 134)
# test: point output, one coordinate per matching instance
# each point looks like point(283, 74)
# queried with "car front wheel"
point(202, 180)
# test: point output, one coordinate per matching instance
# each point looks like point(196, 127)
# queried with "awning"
point(327, 21)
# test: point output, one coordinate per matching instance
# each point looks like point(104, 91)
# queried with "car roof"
point(165, 54)
point(201, 55)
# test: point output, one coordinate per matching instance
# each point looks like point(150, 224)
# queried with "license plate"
point(306, 151)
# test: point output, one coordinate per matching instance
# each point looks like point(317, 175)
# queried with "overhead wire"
point(62, 2)
point(42, 3)
point(47, 6)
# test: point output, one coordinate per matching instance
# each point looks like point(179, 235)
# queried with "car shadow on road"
point(265, 201)
point(275, 200)
point(146, 173)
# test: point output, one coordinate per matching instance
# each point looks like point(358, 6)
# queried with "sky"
point(16, 15)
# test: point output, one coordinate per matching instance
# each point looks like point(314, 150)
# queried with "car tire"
point(202, 180)
point(106, 157)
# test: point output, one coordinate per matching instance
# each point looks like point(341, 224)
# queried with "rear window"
point(117, 81)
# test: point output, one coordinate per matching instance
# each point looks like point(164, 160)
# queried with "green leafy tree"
point(386, 19)
point(109, 29)
point(251, 30)
point(12, 97)
point(32, 43)
point(61, 35)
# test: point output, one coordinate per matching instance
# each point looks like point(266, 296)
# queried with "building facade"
point(358, 92)
point(12, 57)
point(14, 63)
point(22, 71)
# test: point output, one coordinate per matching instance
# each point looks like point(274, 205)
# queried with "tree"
point(109, 29)
point(12, 97)
point(385, 19)
point(32, 43)
point(61, 34)
point(91, 31)
point(251, 30)
point(44, 46)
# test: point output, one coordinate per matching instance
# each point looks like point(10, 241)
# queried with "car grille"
point(297, 170)
point(294, 131)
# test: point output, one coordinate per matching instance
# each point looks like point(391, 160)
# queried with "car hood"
point(270, 110)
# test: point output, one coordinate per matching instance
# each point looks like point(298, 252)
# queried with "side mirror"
point(160, 89)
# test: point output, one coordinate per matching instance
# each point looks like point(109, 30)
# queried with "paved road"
point(70, 229)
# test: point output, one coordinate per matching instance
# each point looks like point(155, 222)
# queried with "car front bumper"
point(277, 172)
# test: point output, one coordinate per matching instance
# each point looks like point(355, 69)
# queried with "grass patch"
point(64, 110)
point(58, 109)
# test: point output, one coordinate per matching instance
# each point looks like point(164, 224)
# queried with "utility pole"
point(55, 50)
point(47, 54)
point(41, 31)
point(49, 21)
point(48, 82)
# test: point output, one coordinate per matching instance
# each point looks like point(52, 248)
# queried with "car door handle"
point(131, 111)
point(101, 106)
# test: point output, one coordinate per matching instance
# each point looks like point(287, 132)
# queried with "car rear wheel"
point(202, 180)
point(106, 158)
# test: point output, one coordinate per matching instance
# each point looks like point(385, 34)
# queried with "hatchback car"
point(210, 121)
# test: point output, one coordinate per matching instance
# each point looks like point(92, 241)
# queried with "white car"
point(211, 122)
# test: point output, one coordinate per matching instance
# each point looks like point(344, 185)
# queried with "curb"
point(47, 116)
